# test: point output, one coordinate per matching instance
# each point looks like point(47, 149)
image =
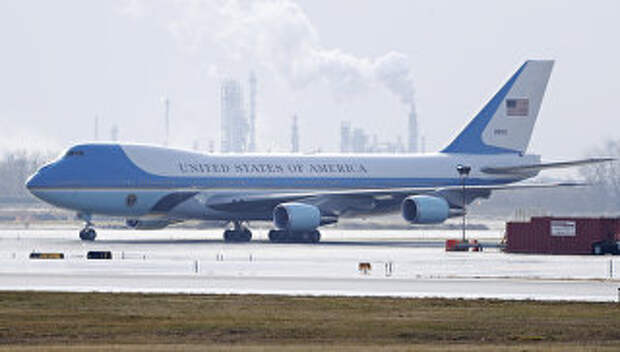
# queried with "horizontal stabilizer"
point(538, 167)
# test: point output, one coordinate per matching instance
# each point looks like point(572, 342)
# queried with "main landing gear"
point(239, 233)
point(285, 236)
point(88, 233)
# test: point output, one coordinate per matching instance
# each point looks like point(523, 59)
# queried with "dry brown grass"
point(83, 321)
point(320, 348)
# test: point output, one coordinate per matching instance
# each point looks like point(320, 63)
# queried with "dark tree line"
point(15, 168)
point(600, 198)
point(605, 177)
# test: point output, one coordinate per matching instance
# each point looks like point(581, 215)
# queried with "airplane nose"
point(32, 181)
point(37, 179)
point(34, 185)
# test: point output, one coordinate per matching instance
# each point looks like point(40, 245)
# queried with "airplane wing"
point(270, 200)
point(537, 167)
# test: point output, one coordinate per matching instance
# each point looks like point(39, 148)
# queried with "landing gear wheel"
point(308, 236)
point(247, 235)
point(241, 235)
point(315, 236)
point(88, 234)
point(277, 236)
point(281, 236)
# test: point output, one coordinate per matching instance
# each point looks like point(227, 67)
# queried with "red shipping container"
point(550, 235)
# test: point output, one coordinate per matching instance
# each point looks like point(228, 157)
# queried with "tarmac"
point(394, 263)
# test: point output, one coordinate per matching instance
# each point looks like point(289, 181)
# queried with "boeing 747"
point(153, 187)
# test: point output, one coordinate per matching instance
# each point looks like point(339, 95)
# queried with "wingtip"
point(601, 160)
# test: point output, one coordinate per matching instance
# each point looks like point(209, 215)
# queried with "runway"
point(403, 264)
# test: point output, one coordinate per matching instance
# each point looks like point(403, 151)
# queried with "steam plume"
point(279, 36)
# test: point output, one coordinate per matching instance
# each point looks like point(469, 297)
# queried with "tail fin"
point(505, 124)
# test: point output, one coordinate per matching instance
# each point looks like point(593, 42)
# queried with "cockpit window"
point(75, 153)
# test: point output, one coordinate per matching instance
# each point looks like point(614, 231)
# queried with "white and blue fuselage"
point(98, 178)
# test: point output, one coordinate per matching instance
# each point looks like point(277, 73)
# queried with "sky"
point(64, 62)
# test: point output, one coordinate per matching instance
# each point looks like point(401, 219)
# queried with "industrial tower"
point(166, 102)
point(345, 137)
point(295, 135)
point(413, 130)
point(234, 126)
point(252, 146)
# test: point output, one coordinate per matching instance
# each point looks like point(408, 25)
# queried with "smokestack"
point(295, 136)
point(345, 137)
point(166, 102)
point(114, 133)
point(252, 146)
point(413, 130)
point(359, 141)
point(234, 137)
point(96, 128)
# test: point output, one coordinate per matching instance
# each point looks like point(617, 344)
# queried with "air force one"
point(153, 187)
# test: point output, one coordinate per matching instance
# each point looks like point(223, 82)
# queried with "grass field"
point(152, 322)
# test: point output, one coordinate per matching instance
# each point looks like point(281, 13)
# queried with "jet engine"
point(296, 217)
point(425, 209)
point(147, 224)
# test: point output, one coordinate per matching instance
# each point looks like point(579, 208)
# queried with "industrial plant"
point(238, 126)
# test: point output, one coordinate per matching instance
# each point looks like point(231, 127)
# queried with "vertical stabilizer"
point(505, 124)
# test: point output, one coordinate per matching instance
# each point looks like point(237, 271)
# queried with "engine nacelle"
point(147, 224)
point(425, 209)
point(296, 217)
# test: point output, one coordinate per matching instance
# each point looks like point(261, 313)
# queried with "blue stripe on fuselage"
point(241, 184)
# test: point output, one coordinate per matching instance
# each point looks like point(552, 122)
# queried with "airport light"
point(463, 174)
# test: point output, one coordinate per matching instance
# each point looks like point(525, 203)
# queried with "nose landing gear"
point(88, 233)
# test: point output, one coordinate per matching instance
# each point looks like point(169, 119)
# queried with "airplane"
point(153, 187)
